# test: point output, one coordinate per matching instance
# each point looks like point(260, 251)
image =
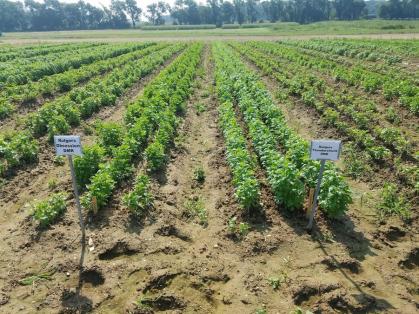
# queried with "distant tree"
point(94, 16)
point(349, 9)
point(252, 13)
point(178, 12)
point(156, 11)
point(186, 12)
point(205, 14)
point(215, 11)
point(227, 12)
point(118, 16)
point(45, 16)
point(240, 10)
point(133, 11)
point(74, 18)
point(273, 9)
point(12, 16)
point(396, 9)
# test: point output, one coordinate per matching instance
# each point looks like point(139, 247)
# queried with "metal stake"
point(76, 196)
point(316, 194)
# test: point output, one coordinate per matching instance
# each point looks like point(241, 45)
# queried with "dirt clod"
point(72, 302)
point(4, 298)
point(93, 276)
point(159, 280)
point(412, 259)
point(164, 302)
point(361, 303)
point(118, 249)
point(351, 264)
point(171, 230)
point(308, 290)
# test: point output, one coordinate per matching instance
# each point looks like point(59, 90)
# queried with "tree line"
point(50, 15)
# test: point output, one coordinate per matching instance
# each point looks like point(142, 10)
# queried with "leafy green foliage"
point(355, 164)
point(195, 207)
point(199, 175)
point(200, 108)
point(335, 193)
point(287, 173)
point(392, 203)
point(87, 165)
point(6, 109)
point(155, 156)
point(241, 229)
point(246, 185)
point(16, 150)
point(33, 279)
point(299, 310)
point(99, 190)
point(63, 113)
point(151, 116)
point(140, 198)
point(47, 211)
point(110, 135)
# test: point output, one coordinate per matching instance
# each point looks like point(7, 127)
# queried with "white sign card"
point(325, 149)
point(67, 145)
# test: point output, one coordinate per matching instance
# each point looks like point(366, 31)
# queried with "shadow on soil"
point(74, 301)
point(366, 301)
point(344, 232)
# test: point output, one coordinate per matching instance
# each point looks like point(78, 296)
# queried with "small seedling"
point(327, 236)
point(199, 175)
point(299, 310)
point(244, 229)
point(195, 208)
point(287, 261)
point(392, 116)
point(200, 108)
point(59, 160)
point(52, 184)
point(180, 140)
point(241, 229)
point(205, 94)
point(232, 224)
point(200, 72)
point(261, 311)
point(392, 203)
point(143, 302)
point(48, 210)
point(140, 198)
point(33, 279)
point(275, 282)
point(87, 129)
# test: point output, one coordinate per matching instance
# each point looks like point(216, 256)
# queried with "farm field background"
point(402, 29)
point(196, 175)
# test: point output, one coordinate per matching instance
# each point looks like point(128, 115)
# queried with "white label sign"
point(325, 149)
point(67, 145)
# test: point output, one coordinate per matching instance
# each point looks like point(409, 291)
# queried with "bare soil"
point(173, 261)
